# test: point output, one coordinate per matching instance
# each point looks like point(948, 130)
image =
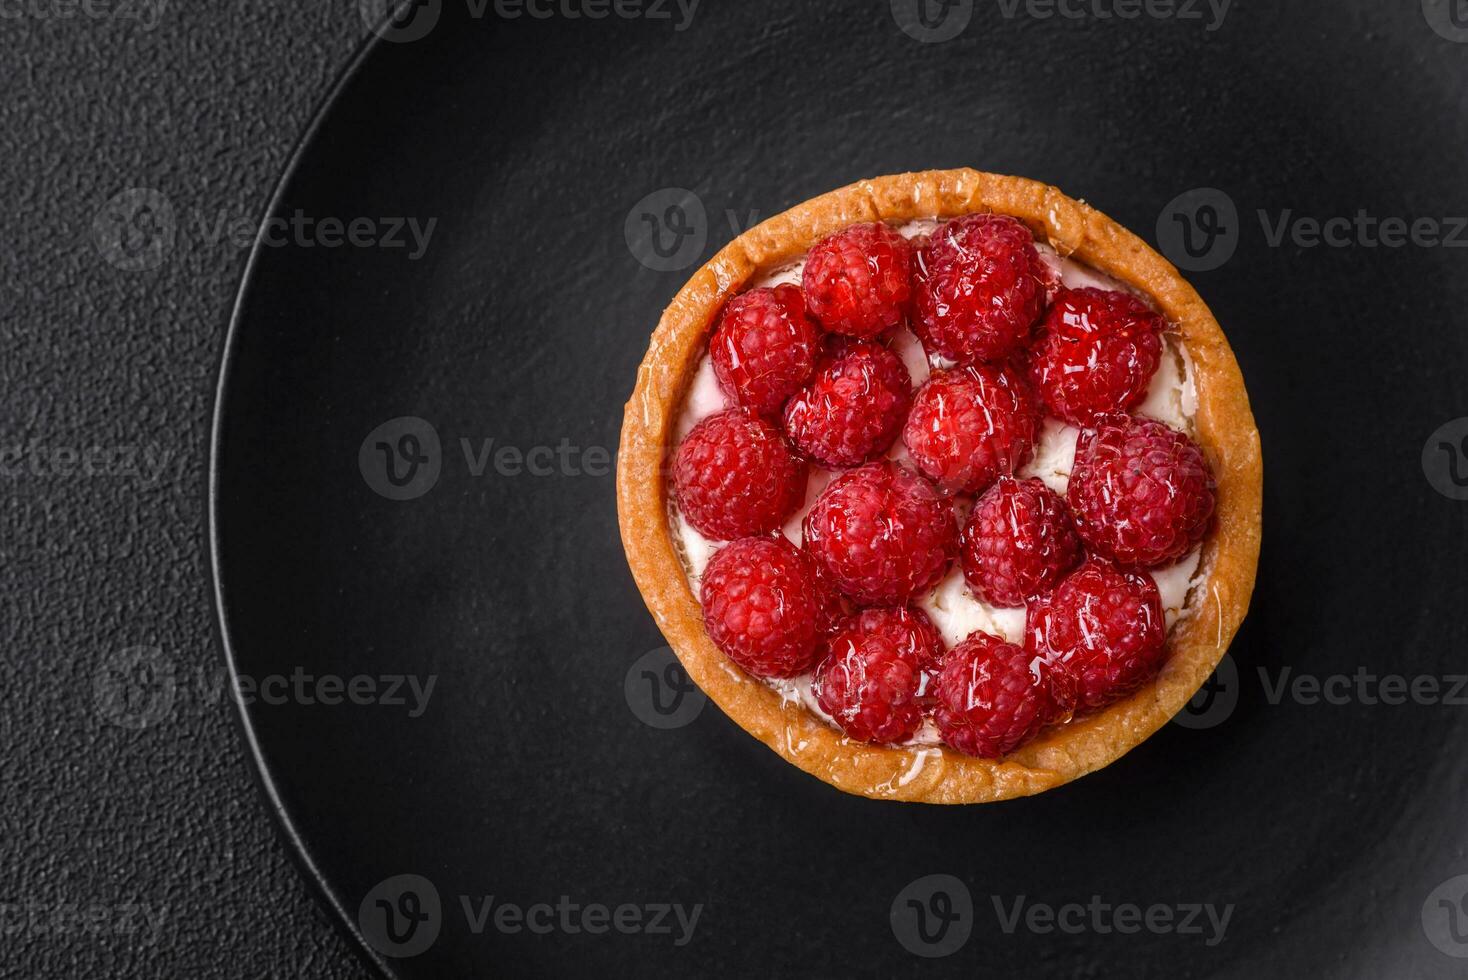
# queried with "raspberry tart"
point(942, 485)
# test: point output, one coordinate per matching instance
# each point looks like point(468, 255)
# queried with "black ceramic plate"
point(576, 171)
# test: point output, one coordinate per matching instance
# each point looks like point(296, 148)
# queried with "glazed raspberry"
point(1018, 542)
point(834, 607)
point(1097, 352)
point(871, 676)
point(1101, 631)
point(992, 697)
point(734, 476)
point(907, 628)
point(760, 606)
point(858, 281)
point(882, 534)
point(978, 288)
point(970, 426)
point(853, 408)
point(764, 347)
point(1141, 493)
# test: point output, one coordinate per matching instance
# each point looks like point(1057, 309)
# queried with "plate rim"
point(296, 845)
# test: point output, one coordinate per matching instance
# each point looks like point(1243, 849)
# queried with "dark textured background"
point(205, 107)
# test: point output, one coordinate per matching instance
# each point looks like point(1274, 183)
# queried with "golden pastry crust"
point(1224, 427)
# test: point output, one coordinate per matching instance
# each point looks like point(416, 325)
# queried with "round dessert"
point(942, 485)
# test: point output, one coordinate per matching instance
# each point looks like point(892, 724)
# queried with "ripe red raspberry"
point(761, 607)
point(882, 534)
point(1018, 542)
point(1102, 633)
point(834, 607)
point(872, 677)
point(970, 426)
point(1141, 493)
point(858, 281)
point(978, 288)
point(993, 697)
point(1097, 352)
point(764, 347)
point(853, 408)
point(905, 629)
point(734, 476)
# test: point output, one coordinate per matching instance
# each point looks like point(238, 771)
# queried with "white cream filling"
point(1171, 398)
